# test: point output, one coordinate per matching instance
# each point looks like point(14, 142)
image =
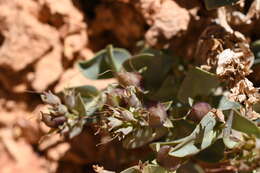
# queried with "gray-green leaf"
point(99, 67)
point(197, 82)
point(242, 124)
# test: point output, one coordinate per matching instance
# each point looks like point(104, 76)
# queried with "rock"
point(159, 15)
point(48, 70)
point(25, 39)
point(73, 78)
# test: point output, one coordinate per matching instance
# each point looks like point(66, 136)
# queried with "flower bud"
point(114, 97)
point(114, 122)
point(49, 98)
point(127, 115)
point(157, 114)
point(53, 122)
point(133, 101)
point(60, 110)
point(70, 99)
point(129, 79)
point(165, 160)
point(198, 111)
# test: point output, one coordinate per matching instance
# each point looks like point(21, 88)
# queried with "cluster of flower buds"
point(57, 114)
point(157, 114)
point(125, 110)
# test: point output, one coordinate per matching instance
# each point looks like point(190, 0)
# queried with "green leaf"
point(256, 48)
point(166, 92)
point(86, 91)
point(242, 124)
point(190, 167)
point(83, 100)
point(149, 168)
point(228, 141)
point(212, 4)
point(99, 67)
point(214, 153)
point(257, 107)
point(225, 104)
point(76, 128)
point(154, 169)
point(133, 169)
point(80, 106)
point(157, 63)
point(204, 135)
point(92, 105)
point(197, 82)
point(143, 136)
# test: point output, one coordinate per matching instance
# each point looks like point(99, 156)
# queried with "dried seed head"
point(49, 98)
point(198, 111)
point(129, 79)
point(157, 114)
point(165, 160)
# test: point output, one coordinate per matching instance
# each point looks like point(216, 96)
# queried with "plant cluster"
point(189, 113)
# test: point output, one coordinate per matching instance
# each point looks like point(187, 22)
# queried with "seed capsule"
point(198, 111)
point(53, 122)
point(127, 115)
point(157, 114)
point(129, 79)
point(133, 101)
point(70, 99)
point(165, 160)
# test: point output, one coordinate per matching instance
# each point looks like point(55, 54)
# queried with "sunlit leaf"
point(204, 135)
point(143, 136)
point(149, 168)
point(154, 169)
point(86, 91)
point(225, 104)
point(99, 67)
point(228, 141)
point(133, 169)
